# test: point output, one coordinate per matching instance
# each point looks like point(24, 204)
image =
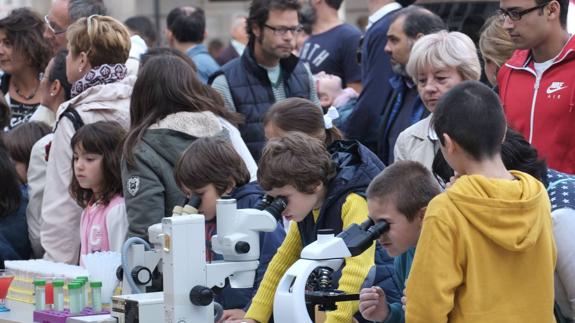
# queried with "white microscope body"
point(187, 276)
point(328, 251)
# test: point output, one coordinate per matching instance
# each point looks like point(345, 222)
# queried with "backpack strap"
point(73, 116)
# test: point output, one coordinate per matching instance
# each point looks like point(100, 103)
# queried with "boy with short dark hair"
point(322, 192)
point(486, 251)
point(211, 168)
point(399, 195)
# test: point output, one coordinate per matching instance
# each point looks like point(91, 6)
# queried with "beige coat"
point(60, 230)
point(415, 144)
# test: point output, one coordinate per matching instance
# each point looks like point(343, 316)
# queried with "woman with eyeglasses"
point(98, 47)
point(23, 56)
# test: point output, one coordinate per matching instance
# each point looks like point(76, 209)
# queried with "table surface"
point(19, 312)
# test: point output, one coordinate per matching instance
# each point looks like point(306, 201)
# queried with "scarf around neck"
point(103, 74)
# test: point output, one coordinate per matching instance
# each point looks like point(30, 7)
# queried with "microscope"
point(308, 282)
point(187, 278)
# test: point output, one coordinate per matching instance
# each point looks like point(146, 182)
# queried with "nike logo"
point(556, 86)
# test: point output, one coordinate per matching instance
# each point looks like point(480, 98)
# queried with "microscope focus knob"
point(141, 275)
point(201, 296)
point(242, 247)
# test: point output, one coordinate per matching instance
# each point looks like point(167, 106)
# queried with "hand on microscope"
point(373, 304)
point(232, 315)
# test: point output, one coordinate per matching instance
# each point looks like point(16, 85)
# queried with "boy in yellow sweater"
point(486, 251)
point(321, 193)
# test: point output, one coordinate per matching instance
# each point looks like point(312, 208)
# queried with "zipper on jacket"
point(532, 117)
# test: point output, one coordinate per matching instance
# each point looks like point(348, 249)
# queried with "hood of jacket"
point(247, 195)
point(509, 213)
point(100, 97)
point(172, 135)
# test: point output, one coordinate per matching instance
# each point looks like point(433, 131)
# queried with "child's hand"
point(234, 314)
point(403, 301)
point(373, 304)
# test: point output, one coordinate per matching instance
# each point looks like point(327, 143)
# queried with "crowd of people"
point(105, 132)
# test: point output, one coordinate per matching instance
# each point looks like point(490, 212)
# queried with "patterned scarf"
point(103, 74)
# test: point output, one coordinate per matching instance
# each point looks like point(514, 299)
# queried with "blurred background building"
point(459, 14)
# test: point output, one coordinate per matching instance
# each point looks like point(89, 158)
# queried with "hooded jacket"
point(60, 230)
point(150, 189)
point(486, 254)
point(542, 108)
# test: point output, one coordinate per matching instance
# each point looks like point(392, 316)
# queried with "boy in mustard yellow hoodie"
point(486, 251)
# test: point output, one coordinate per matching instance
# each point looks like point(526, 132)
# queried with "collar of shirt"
point(431, 134)
point(381, 12)
point(239, 47)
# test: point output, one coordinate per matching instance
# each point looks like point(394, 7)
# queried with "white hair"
point(445, 49)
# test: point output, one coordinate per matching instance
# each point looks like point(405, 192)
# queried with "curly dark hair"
point(260, 9)
point(297, 160)
point(24, 29)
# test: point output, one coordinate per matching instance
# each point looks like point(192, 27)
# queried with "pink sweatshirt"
point(103, 227)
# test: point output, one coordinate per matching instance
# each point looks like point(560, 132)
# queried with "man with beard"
point(267, 71)
point(404, 107)
point(332, 46)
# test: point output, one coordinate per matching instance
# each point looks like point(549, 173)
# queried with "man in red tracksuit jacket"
point(537, 85)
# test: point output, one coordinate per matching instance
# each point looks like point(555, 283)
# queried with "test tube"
point(96, 289)
point(74, 290)
point(84, 289)
point(58, 295)
point(40, 294)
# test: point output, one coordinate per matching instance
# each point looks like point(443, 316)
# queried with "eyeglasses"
point(515, 15)
point(282, 31)
point(54, 30)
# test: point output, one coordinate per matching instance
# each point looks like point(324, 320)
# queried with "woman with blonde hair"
point(496, 47)
point(98, 47)
point(437, 63)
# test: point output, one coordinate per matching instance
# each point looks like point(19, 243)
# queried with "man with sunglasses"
point(267, 71)
point(537, 85)
point(63, 13)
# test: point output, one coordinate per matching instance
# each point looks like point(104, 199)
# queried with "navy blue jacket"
point(246, 197)
point(14, 242)
point(390, 117)
point(356, 167)
point(375, 72)
point(252, 92)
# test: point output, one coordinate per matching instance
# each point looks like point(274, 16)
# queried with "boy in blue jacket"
point(210, 168)
point(398, 195)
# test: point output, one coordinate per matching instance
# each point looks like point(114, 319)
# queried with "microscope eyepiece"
point(263, 203)
point(195, 201)
point(277, 206)
point(378, 229)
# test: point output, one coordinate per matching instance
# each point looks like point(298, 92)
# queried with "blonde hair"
point(495, 43)
point(103, 38)
point(445, 49)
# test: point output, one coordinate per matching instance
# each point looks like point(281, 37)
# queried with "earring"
point(52, 94)
point(80, 70)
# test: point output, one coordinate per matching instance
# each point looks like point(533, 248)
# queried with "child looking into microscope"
point(398, 195)
point(322, 192)
point(210, 168)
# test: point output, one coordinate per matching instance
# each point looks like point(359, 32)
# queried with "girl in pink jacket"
point(97, 187)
